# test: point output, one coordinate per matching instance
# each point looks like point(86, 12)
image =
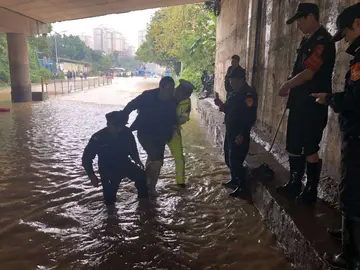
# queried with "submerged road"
point(51, 218)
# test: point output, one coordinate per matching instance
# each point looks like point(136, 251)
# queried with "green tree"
point(184, 34)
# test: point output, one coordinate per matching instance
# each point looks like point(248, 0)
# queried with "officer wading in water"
point(114, 145)
point(307, 119)
point(240, 116)
point(182, 96)
point(155, 124)
point(347, 104)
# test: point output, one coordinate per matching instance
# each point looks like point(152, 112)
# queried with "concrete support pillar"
point(19, 67)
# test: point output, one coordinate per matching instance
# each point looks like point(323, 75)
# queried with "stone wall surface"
point(256, 30)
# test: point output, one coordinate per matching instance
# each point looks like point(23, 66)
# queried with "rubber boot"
point(241, 190)
point(335, 233)
point(309, 194)
point(339, 260)
point(297, 171)
point(349, 258)
point(233, 183)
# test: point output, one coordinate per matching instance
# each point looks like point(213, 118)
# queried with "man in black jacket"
point(155, 124)
point(347, 105)
point(240, 115)
point(235, 63)
point(115, 145)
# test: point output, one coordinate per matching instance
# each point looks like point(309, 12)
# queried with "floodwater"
point(51, 218)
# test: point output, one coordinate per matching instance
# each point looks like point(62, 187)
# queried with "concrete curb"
point(300, 230)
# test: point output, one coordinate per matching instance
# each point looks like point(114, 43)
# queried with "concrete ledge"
point(299, 230)
point(39, 96)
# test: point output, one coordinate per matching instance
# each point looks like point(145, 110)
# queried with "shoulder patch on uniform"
point(320, 37)
point(249, 101)
point(355, 72)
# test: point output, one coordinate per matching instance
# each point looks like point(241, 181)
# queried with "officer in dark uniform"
point(240, 116)
point(347, 104)
point(235, 62)
point(307, 119)
point(155, 125)
point(114, 145)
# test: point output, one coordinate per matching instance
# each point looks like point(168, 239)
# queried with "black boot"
point(349, 258)
point(335, 233)
point(233, 183)
point(309, 194)
point(297, 170)
point(241, 191)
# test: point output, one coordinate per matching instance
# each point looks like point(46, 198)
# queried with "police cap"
point(117, 118)
point(303, 10)
point(186, 84)
point(237, 73)
point(346, 19)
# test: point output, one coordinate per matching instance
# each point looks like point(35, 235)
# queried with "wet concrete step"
point(300, 230)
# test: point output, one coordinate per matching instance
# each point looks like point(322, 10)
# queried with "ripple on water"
point(53, 219)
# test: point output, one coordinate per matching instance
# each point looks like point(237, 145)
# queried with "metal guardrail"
point(58, 87)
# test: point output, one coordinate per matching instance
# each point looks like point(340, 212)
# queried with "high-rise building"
point(109, 40)
point(88, 40)
point(141, 37)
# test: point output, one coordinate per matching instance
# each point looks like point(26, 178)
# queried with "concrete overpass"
point(20, 18)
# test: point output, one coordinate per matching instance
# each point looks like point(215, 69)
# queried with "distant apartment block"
point(88, 40)
point(141, 37)
point(109, 40)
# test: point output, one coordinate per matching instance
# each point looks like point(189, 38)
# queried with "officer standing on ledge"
point(240, 115)
point(113, 145)
point(347, 104)
point(307, 119)
point(235, 62)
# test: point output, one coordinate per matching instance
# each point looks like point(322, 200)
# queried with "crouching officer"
point(240, 116)
point(113, 145)
point(182, 96)
point(347, 104)
point(312, 71)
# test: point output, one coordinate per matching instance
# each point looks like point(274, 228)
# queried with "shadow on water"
point(53, 219)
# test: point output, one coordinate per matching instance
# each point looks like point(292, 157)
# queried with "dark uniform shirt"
point(240, 110)
point(113, 152)
point(156, 117)
point(318, 54)
point(228, 87)
point(347, 103)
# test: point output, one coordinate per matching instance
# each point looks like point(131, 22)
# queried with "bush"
point(193, 76)
point(4, 76)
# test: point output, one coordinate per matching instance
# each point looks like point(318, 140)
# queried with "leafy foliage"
point(184, 34)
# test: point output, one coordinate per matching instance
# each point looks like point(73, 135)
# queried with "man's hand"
point(239, 139)
point(320, 97)
point(284, 90)
point(94, 180)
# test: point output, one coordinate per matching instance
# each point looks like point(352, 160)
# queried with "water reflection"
point(53, 219)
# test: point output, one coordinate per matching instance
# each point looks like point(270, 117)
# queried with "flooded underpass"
point(52, 218)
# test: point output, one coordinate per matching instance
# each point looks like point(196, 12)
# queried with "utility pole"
point(56, 54)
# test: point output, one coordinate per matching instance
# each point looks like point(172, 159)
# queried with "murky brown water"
point(51, 218)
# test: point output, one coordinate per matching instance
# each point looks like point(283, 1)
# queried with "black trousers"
point(235, 155)
point(349, 188)
point(305, 130)
point(110, 181)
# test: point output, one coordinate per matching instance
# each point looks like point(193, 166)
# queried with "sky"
point(127, 23)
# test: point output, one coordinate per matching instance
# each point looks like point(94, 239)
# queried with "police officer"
point(182, 96)
point(235, 62)
point(113, 145)
point(155, 124)
point(307, 119)
point(347, 104)
point(240, 115)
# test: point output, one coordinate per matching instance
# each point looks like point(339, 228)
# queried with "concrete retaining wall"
point(256, 30)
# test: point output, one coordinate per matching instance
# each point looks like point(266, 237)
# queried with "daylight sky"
point(127, 23)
